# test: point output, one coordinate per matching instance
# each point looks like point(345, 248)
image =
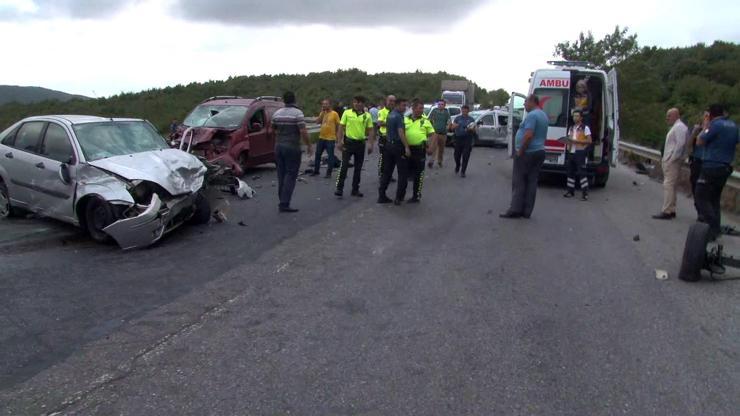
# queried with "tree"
point(605, 53)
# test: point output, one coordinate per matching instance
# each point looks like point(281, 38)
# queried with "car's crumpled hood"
point(174, 170)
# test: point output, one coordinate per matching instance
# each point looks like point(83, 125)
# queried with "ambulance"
point(556, 89)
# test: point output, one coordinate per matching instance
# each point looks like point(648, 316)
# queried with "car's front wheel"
point(201, 211)
point(98, 215)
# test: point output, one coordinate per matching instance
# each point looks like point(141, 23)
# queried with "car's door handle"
point(40, 165)
point(9, 155)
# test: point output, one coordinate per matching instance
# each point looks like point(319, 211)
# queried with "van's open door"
point(516, 116)
point(612, 103)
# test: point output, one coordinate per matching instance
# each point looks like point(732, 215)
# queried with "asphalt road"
point(350, 308)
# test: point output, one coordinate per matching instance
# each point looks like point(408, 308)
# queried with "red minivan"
point(231, 131)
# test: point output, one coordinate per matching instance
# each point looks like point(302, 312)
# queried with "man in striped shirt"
point(289, 128)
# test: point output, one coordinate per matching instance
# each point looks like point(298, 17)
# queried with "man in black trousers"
point(397, 152)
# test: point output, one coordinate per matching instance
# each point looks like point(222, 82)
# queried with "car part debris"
point(661, 274)
point(243, 190)
point(636, 237)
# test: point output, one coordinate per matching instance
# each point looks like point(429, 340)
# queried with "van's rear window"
point(554, 102)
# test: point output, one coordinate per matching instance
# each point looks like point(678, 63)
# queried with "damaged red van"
point(231, 131)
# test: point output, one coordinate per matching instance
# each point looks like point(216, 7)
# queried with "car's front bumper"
point(148, 227)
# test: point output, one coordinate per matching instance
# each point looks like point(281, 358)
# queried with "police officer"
point(418, 131)
point(719, 139)
point(355, 126)
point(397, 152)
point(390, 104)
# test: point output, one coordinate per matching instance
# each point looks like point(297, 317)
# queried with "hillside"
point(29, 95)
point(654, 80)
point(161, 106)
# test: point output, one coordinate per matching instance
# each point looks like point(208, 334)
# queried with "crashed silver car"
point(116, 178)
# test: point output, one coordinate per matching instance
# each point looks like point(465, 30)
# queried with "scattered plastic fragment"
point(661, 274)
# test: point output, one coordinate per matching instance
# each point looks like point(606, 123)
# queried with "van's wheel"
point(601, 180)
point(202, 211)
point(6, 210)
point(694, 252)
point(98, 215)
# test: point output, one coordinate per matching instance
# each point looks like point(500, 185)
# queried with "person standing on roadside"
point(329, 120)
point(464, 129)
point(419, 131)
point(696, 153)
point(289, 128)
point(440, 118)
point(673, 155)
point(355, 127)
point(719, 139)
point(383, 114)
point(528, 159)
point(397, 153)
point(579, 139)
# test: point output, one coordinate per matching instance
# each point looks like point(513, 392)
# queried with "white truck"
point(458, 92)
point(556, 87)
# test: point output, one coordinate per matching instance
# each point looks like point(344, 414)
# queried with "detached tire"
point(601, 180)
point(98, 215)
point(694, 252)
point(202, 211)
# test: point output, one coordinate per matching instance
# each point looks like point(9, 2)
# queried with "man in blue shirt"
point(718, 141)
point(464, 134)
point(397, 152)
point(528, 159)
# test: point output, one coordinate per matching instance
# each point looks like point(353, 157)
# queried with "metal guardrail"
point(655, 155)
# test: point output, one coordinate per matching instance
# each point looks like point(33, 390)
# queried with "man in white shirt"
point(673, 155)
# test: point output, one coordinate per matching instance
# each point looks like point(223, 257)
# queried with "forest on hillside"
point(160, 106)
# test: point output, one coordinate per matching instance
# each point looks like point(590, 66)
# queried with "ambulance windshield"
point(554, 102)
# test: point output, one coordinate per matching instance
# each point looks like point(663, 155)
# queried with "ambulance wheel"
point(601, 180)
point(694, 252)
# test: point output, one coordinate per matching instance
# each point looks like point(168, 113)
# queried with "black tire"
point(601, 180)
point(6, 210)
point(694, 252)
point(202, 211)
point(98, 215)
point(243, 160)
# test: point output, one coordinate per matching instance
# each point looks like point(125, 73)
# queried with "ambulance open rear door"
point(516, 115)
point(612, 103)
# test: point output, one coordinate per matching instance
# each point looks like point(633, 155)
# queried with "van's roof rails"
point(269, 98)
point(572, 63)
point(222, 97)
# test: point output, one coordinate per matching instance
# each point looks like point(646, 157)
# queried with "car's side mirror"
point(64, 174)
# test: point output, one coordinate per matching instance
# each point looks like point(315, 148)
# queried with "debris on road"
point(243, 190)
point(636, 237)
point(661, 274)
point(635, 183)
point(242, 224)
point(302, 179)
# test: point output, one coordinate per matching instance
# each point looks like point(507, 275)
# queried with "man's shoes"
point(462, 175)
point(328, 175)
point(287, 209)
point(397, 202)
point(584, 197)
point(509, 214)
point(314, 173)
point(665, 216)
point(569, 194)
point(384, 200)
point(430, 164)
point(457, 169)
point(414, 200)
point(357, 194)
point(339, 193)
point(439, 164)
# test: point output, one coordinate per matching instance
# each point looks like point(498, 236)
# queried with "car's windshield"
point(453, 98)
point(476, 114)
point(117, 138)
point(219, 116)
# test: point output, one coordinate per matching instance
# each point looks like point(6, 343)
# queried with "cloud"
point(19, 9)
point(431, 14)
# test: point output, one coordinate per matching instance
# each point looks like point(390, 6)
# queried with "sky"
point(104, 47)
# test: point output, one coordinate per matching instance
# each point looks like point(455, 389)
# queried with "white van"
point(555, 88)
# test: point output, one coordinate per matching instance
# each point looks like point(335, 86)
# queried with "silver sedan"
point(116, 178)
